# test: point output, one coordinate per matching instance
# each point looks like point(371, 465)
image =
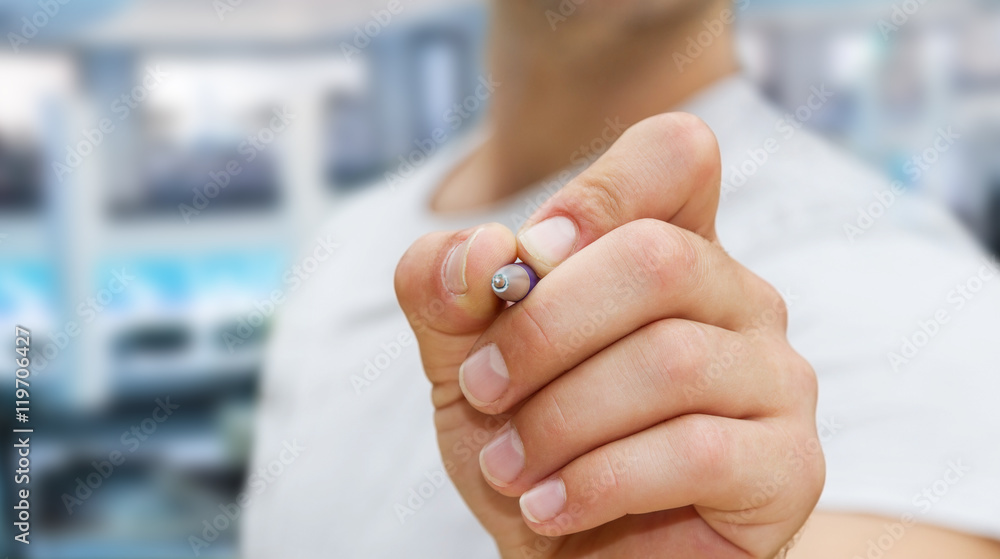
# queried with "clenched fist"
point(643, 400)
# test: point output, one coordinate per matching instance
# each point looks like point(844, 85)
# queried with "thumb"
point(443, 286)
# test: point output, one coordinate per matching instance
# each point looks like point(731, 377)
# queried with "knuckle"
point(794, 385)
point(601, 197)
point(810, 469)
point(702, 144)
point(700, 135)
point(770, 314)
point(805, 383)
point(816, 473)
point(662, 254)
point(691, 135)
point(709, 448)
point(777, 304)
point(816, 477)
point(680, 351)
point(671, 125)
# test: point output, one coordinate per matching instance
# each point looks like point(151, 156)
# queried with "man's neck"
point(548, 106)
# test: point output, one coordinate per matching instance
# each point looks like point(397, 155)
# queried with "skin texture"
point(649, 373)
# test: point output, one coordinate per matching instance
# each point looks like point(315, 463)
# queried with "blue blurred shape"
point(71, 14)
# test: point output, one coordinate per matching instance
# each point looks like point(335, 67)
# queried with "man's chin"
point(620, 14)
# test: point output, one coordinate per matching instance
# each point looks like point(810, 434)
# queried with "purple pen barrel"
point(514, 281)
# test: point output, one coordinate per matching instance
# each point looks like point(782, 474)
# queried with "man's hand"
point(643, 400)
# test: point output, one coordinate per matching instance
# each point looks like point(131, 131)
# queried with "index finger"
point(666, 167)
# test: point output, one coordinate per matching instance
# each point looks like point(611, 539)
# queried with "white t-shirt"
point(909, 431)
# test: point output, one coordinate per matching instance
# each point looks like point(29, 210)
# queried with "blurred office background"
point(202, 86)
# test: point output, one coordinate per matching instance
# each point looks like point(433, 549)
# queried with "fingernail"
point(550, 241)
point(483, 377)
point(502, 460)
point(454, 266)
point(544, 501)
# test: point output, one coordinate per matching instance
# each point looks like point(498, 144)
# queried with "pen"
point(514, 281)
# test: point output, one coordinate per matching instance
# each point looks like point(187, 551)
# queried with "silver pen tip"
point(499, 281)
